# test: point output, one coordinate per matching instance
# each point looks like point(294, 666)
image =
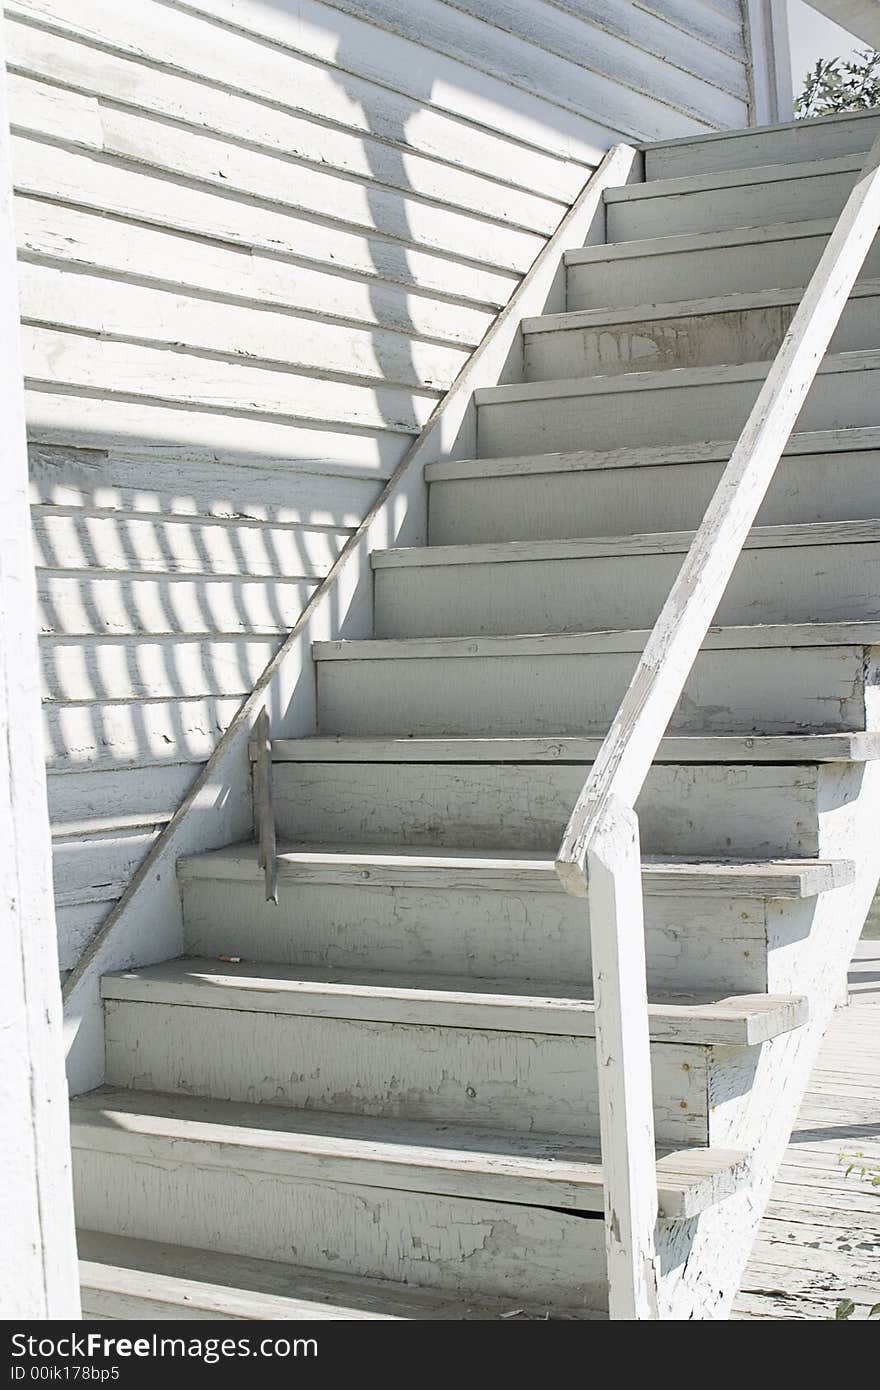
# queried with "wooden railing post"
point(624, 1060)
point(264, 812)
point(600, 847)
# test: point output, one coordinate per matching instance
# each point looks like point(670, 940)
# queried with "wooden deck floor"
point(820, 1241)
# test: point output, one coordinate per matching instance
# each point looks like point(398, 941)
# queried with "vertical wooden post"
point(624, 1060)
point(38, 1272)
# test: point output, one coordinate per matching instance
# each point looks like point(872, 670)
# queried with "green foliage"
point(839, 84)
point(868, 1170)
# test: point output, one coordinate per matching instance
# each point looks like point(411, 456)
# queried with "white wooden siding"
point(258, 242)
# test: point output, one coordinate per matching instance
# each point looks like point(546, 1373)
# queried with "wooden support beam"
point(38, 1273)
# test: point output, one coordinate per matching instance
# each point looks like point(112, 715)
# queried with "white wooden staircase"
point(379, 1097)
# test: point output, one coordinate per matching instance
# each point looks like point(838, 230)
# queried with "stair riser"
point(785, 263)
point(708, 810)
point(455, 1243)
point(769, 690)
point(742, 335)
point(501, 1080)
point(839, 486)
point(790, 145)
point(637, 414)
point(713, 209)
point(788, 584)
point(713, 942)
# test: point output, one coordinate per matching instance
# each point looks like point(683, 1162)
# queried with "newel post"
point(624, 1062)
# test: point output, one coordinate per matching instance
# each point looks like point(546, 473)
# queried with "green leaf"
point(844, 1310)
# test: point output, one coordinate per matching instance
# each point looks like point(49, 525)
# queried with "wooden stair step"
point(493, 1005)
point(714, 748)
point(500, 870)
point(122, 1277)
point(531, 1169)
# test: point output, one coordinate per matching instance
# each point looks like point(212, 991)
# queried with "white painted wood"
point(446, 1001)
point(766, 27)
point(847, 748)
point(573, 586)
point(553, 1259)
point(710, 202)
point(264, 817)
point(486, 1078)
point(178, 42)
point(51, 297)
point(695, 809)
point(537, 1170)
point(342, 607)
point(686, 406)
point(523, 686)
point(735, 260)
point(623, 1059)
point(694, 598)
point(100, 367)
point(821, 137)
point(138, 1279)
point(526, 61)
point(707, 926)
point(38, 1278)
point(530, 873)
point(659, 337)
point(822, 477)
point(66, 236)
point(49, 171)
point(53, 59)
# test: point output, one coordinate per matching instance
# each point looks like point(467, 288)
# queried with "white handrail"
point(600, 844)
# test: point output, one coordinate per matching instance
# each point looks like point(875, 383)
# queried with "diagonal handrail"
point(601, 843)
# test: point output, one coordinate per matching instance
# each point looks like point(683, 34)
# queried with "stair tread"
point(779, 878)
point(804, 533)
point(644, 456)
point(677, 377)
point(858, 632)
point(698, 241)
point(548, 1169)
point(444, 1001)
point(734, 302)
point(675, 748)
point(736, 178)
point(215, 1284)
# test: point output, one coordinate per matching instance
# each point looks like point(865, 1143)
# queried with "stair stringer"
point(702, 1261)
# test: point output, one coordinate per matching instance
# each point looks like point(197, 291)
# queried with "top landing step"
point(824, 137)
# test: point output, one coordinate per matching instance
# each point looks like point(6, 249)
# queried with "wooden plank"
point(179, 483)
point(113, 308)
point(506, 1005)
point(104, 367)
point(38, 1273)
point(528, 65)
point(136, 545)
point(695, 595)
point(53, 59)
point(623, 1058)
point(552, 1170)
point(80, 605)
point(261, 51)
point(96, 669)
point(102, 184)
point(69, 236)
point(144, 428)
point(105, 733)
